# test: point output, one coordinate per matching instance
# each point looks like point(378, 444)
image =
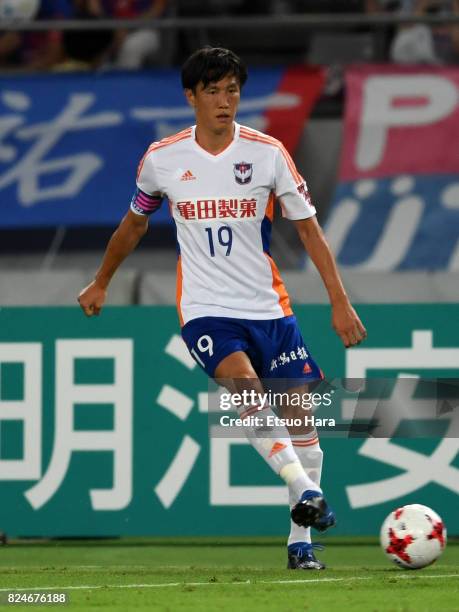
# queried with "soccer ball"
point(413, 536)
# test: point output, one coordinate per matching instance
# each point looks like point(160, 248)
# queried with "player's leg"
point(237, 374)
point(288, 363)
point(307, 447)
point(304, 435)
point(220, 345)
point(300, 548)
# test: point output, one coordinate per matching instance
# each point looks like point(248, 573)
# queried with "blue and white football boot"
point(313, 511)
point(301, 556)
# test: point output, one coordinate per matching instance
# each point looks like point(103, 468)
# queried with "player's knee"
point(236, 367)
point(245, 374)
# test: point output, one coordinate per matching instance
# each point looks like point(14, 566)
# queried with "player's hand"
point(347, 324)
point(92, 298)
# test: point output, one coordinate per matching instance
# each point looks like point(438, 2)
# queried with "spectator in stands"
point(10, 47)
point(10, 42)
point(44, 49)
point(383, 37)
point(85, 49)
point(136, 49)
point(32, 50)
point(419, 43)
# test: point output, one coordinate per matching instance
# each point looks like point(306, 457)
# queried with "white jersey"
point(223, 208)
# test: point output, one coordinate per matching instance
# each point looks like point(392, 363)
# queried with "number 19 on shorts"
point(205, 345)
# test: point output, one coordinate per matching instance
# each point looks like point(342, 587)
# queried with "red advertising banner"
point(304, 86)
point(396, 206)
point(400, 120)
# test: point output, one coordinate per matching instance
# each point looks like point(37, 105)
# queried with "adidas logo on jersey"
point(188, 176)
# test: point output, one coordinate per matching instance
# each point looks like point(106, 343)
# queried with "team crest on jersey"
point(243, 172)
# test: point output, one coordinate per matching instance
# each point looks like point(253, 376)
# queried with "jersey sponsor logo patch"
point(217, 208)
point(303, 190)
point(243, 172)
point(285, 358)
point(188, 176)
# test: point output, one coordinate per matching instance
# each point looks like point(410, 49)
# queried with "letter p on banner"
point(400, 120)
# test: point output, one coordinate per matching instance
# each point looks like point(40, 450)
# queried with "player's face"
point(216, 104)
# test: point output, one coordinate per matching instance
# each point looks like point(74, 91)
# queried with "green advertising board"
point(104, 428)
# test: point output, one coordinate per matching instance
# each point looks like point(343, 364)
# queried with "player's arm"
point(146, 200)
point(292, 192)
point(123, 241)
point(345, 320)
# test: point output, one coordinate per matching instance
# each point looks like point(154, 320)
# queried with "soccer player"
point(222, 180)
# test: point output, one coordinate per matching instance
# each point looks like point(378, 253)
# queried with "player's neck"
point(214, 142)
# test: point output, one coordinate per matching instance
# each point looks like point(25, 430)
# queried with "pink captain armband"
point(145, 204)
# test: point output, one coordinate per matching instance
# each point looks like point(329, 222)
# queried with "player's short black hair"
point(211, 64)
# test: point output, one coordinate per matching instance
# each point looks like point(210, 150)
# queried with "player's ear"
point(189, 95)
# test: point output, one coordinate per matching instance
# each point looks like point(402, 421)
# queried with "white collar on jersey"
point(222, 153)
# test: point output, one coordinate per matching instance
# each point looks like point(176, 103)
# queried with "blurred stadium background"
point(103, 424)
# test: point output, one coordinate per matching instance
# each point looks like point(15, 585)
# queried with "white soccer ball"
point(18, 9)
point(413, 536)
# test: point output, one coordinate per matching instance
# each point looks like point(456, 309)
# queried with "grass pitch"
point(225, 574)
